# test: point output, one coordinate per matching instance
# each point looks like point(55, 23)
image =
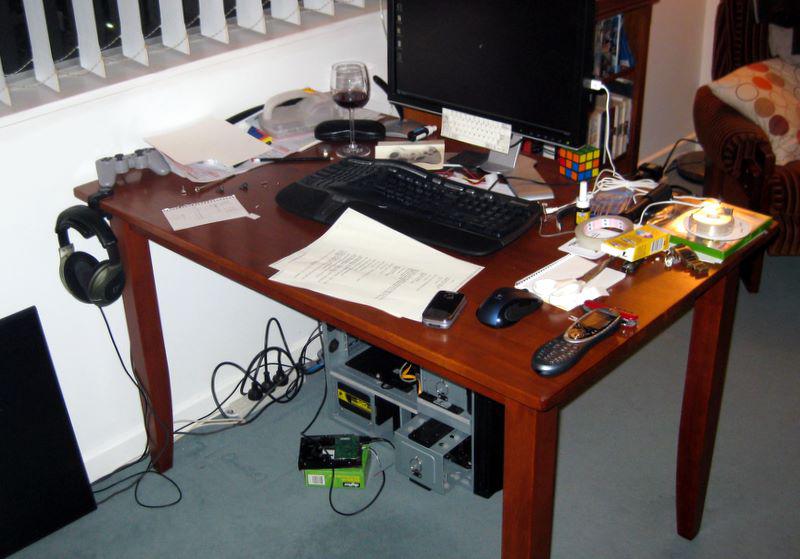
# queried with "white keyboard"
point(476, 130)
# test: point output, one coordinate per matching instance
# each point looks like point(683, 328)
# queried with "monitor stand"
point(499, 162)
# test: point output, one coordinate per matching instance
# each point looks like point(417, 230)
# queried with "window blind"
point(130, 21)
point(212, 20)
point(43, 66)
point(250, 15)
point(123, 23)
point(322, 6)
point(173, 28)
point(287, 10)
point(5, 97)
point(88, 43)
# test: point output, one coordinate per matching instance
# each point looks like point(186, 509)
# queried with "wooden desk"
point(495, 363)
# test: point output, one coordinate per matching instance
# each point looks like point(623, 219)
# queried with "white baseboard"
point(129, 446)
point(660, 155)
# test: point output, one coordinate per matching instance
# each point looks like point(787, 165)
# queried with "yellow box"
point(637, 244)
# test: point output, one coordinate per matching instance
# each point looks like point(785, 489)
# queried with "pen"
point(284, 159)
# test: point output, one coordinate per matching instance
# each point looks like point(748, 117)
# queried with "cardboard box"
point(637, 244)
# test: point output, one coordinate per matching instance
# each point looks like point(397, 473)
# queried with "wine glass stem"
point(352, 129)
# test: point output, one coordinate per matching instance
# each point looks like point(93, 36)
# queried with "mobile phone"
point(443, 309)
point(562, 352)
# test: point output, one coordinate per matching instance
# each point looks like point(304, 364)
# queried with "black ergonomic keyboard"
point(419, 204)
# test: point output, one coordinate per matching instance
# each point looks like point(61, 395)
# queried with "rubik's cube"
point(579, 164)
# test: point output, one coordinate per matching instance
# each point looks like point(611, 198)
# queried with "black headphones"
point(90, 281)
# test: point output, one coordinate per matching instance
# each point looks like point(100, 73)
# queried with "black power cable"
point(374, 498)
point(291, 375)
point(147, 410)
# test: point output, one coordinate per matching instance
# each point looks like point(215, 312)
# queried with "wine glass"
point(350, 89)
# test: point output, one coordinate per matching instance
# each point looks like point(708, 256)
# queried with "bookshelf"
point(636, 16)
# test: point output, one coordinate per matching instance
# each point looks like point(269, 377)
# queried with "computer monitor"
point(519, 62)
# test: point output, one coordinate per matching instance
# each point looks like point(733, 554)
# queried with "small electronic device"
point(341, 461)
point(330, 451)
point(562, 352)
point(443, 309)
point(507, 306)
point(148, 158)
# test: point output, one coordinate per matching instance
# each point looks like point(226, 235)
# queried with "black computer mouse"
point(506, 306)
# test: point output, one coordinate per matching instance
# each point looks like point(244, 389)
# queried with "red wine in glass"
point(351, 99)
point(350, 90)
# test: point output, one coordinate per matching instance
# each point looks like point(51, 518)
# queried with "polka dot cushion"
point(768, 93)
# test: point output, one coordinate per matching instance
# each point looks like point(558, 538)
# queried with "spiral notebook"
point(203, 213)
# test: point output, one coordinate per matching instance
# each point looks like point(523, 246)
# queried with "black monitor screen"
point(522, 62)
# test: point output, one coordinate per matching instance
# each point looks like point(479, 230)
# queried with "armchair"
point(740, 164)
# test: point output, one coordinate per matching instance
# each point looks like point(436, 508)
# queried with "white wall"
point(679, 61)
point(207, 319)
point(708, 40)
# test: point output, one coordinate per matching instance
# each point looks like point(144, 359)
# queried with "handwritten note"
point(202, 213)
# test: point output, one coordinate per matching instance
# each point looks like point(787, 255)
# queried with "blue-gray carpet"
point(243, 496)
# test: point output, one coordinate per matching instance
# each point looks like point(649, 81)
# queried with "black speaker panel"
point(43, 484)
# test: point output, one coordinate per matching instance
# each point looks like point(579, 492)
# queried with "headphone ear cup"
point(105, 285)
point(76, 273)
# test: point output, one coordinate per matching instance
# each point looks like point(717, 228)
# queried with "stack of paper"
point(361, 260)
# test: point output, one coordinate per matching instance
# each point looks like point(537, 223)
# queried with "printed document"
point(361, 260)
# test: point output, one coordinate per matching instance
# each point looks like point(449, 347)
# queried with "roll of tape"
point(591, 233)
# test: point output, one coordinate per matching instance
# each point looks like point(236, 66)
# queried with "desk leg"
point(148, 356)
point(751, 271)
point(529, 474)
point(702, 396)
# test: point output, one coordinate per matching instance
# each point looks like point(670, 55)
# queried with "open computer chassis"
point(443, 434)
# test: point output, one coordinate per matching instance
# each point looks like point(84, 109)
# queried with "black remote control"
point(561, 353)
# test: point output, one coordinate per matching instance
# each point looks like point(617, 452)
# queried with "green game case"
point(718, 250)
point(348, 478)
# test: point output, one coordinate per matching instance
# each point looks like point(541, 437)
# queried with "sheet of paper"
point(363, 261)
point(207, 139)
point(205, 171)
point(202, 213)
